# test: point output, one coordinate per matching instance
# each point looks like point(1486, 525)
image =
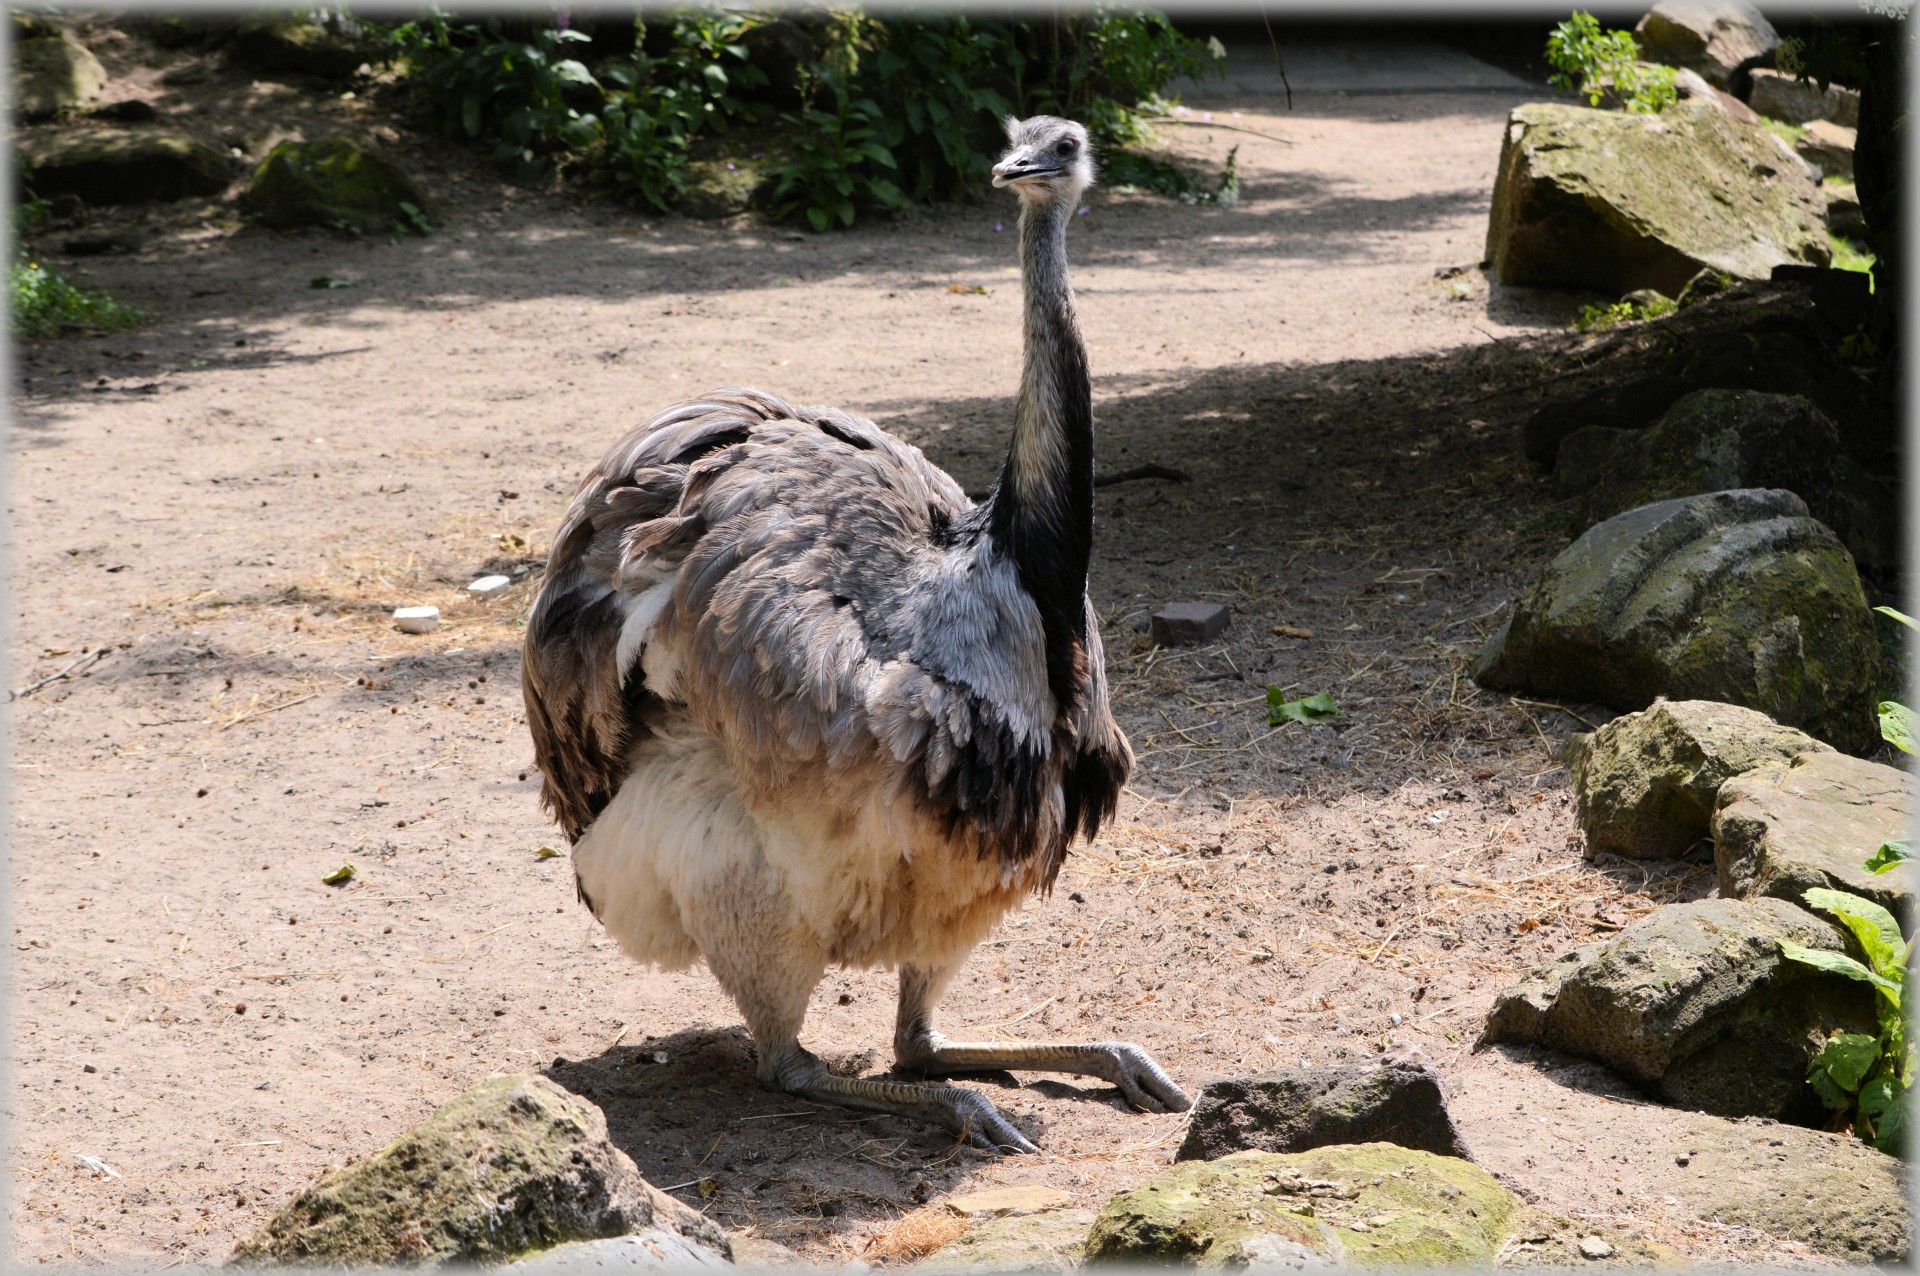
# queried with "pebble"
point(416, 620)
point(1594, 1247)
point(490, 586)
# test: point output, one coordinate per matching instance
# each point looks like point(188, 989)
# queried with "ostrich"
point(798, 701)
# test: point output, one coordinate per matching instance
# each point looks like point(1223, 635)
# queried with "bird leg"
point(919, 1048)
point(797, 1071)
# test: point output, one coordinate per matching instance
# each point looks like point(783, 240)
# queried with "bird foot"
point(1142, 1082)
point(967, 1114)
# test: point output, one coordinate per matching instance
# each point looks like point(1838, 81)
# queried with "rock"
point(1594, 1247)
point(1721, 39)
point(1628, 405)
point(54, 73)
point(1779, 831)
point(1052, 1241)
point(1585, 456)
point(996, 1202)
point(1298, 1109)
point(1644, 784)
point(720, 188)
point(1733, 596)
point(100, 243)
point(131, 111)
point(1708, 441)
point(1182, 624)
point(514, 1164)
point(1693, 86)
point(283, 42)
point(653, 1250)
point(1696, 1005)
point(123, 166)
point(1543, 1240)
point(756, 1253)
point(1844, 217)
point(1780, 358)
point(1829, 148)
point(1365, 1205)
point(1607, 200)
point(1708, 283)
point(1828, 1191)
point(1780, 96)
point(335, 182)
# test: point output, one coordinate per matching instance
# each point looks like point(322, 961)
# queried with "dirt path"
point(231, 500)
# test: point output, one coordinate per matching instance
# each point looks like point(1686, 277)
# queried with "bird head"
point(1047, 160)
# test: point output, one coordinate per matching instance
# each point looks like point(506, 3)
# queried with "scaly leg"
point(770, 967)
point(919, 1048)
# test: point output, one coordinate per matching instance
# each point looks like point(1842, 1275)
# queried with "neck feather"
point(1042, 508)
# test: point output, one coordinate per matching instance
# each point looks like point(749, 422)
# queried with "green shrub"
point(894, 109)
point(46, 304)
point(1593, 318)
point(1592, 62)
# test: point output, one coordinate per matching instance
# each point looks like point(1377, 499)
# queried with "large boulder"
point(1696, 1005)
point(1644, 784)
point(1298, 1109)
point(1708, 441)
point(1367, 1205)
point(1721, 39)
point(54, 73)
point(1733, 596)
point(654, 1252)
point(514, 1165)
point(1779, 831)
point(336, 182)
point(1780, 96)
point(123, 166)
point(1618, 202)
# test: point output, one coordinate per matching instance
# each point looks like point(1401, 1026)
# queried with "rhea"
point(799, 702)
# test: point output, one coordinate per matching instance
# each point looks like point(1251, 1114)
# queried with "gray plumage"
point(798, 700)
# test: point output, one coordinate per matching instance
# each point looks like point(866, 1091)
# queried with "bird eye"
point(1064, 147)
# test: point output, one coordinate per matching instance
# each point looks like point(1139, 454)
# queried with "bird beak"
point(1018, 167)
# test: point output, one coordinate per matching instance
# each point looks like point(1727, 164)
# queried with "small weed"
point(1791, 132)
point(1596, 63)
point(411, 221)
point(1848, 255)
point(1596, 318)
point(46, 304)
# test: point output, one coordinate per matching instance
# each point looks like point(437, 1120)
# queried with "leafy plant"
point(1318, 707)
point(1592, 318)
point(1863, 1077)
point(1896, 719)
point(45, 303)
point(1592, 62)
point(1890, 856)
point(834, 164)
point(1848, 255)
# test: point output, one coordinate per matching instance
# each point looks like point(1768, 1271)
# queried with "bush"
point(1591, 62)
point(891, 110)
point(44, 302)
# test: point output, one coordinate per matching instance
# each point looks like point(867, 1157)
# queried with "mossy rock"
point(1365, 1204)
point(1736, 596)
point(1709, 441)
point(1781, 831)
point(335, 182)
point(1697, 1005)
point(1617, 202)
point(720, 187)
point(1053, 1240)
point(514, 1165)
point(1644, 784)
point(123, 166)
point(53, 73)
point(284, 43)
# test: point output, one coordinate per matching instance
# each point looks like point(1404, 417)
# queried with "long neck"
point(1042, 508)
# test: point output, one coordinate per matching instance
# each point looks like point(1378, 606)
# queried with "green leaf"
point(1890, 855)
point(342, 875)
point(1900, 616)
point(1896, 725)
point(1318, 707)
point(819, 218)
point(470, 114)
point(548, 853)
point(1880, 1104)
point(1838, 964)
point(572, 72)
point(1847, 1058)
point(1878, 933)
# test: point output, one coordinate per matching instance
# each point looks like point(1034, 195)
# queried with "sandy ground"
point(214, 515)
